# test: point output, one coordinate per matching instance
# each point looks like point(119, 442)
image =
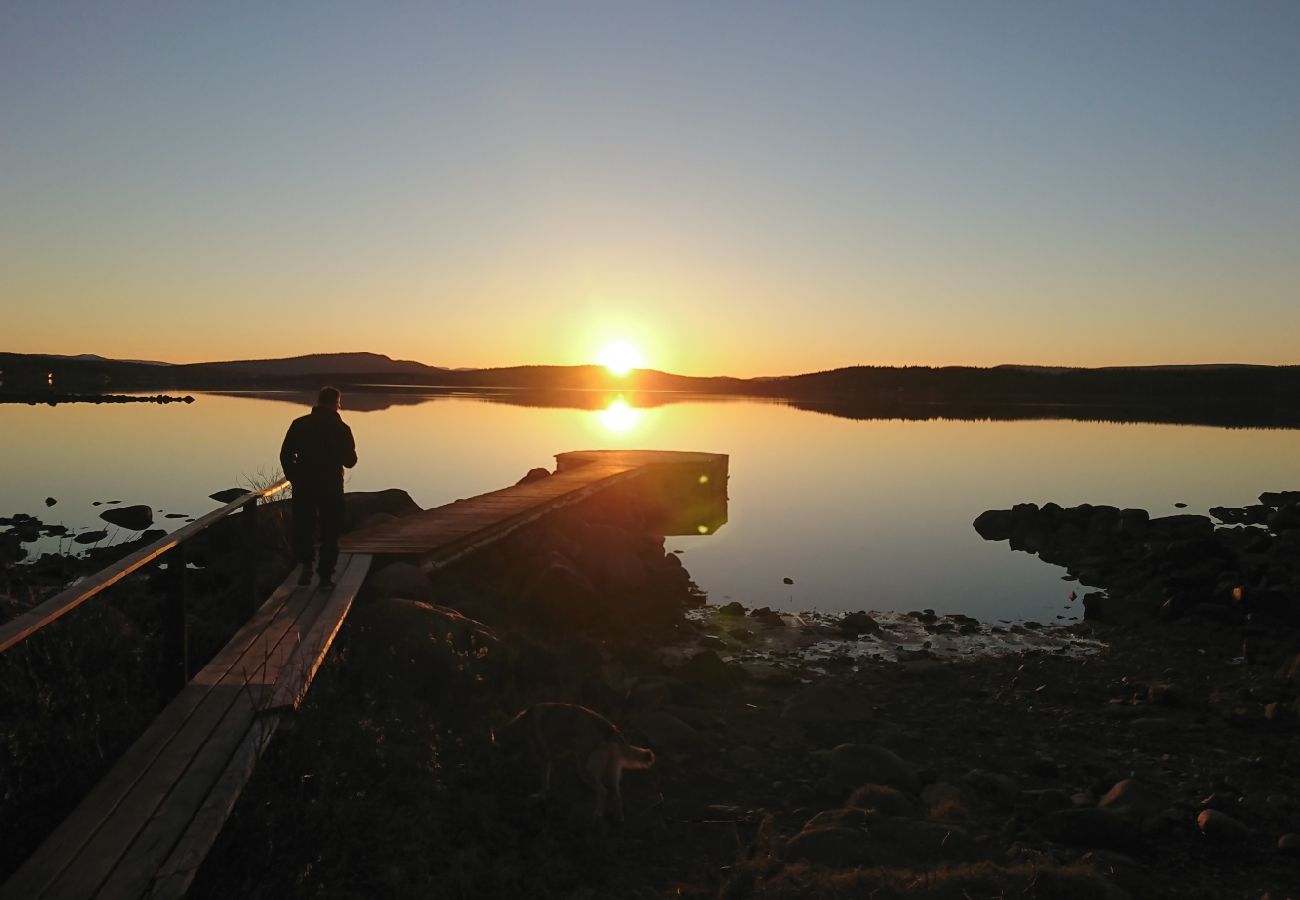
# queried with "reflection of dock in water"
point(688, 490)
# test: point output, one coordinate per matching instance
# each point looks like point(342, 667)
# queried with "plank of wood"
point(44, 866)
point(177, 873)
point(296, 677)
point(23, 626)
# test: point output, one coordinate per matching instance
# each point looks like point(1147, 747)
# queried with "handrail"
point(23, 626)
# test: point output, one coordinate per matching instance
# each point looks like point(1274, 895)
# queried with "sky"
point(745, 188)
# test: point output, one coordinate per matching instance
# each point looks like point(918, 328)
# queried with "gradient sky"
point(744, 188)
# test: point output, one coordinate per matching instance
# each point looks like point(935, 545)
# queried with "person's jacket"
point(316, 449)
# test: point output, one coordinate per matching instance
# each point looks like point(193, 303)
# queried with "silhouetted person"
point(315, 450)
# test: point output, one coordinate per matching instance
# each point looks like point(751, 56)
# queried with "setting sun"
point(620, 357)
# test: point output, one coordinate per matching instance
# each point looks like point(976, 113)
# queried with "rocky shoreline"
point(52, 398)
point(1140, 753)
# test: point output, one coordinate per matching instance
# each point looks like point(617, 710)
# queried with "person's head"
point(329, 398)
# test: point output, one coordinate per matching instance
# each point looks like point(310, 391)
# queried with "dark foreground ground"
point(1041, 774)
point(1165, 765)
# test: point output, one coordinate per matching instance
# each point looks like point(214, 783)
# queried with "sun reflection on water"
point(618, 416)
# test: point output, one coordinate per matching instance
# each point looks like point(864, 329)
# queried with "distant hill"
point(1214, 393)
point(318, 364)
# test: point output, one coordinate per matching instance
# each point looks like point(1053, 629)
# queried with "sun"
point(620, 357)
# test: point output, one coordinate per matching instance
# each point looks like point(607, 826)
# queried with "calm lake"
point(861, 514)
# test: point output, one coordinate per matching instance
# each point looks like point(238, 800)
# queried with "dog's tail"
point(635, 757)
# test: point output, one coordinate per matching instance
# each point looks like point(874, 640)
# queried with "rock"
point(882, 799)
point(1133, 799)
point(90, 537)
point(360, 505)
point(532, 475)
point(731, 609)
point(1221, 827)
point(994, 524)
point(226, 495)
point(857, 764)
point(827, 701)
point(666, 732)
point(1000, 787)
point(412, 650)
point(1046, 801)
point(559, 594)
point(133, 518)
point(1105, 828)
point(856, 623)
point(941, 792)
point(787, 581)
point(399, 580)
point(376, 519)
point(50, 501)
point(1289, 844)
point(836, 847)
point(152, 534)
point(707, 671)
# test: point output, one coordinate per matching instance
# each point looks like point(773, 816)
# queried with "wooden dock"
point(145, 829)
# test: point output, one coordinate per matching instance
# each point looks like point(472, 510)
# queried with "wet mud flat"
point(795, 756)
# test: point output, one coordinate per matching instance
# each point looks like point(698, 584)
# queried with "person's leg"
point(331, 523)
point(304, 526)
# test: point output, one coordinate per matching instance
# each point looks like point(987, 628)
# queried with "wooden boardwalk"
point(144, 830)
point(448, 532)
point(146, 827)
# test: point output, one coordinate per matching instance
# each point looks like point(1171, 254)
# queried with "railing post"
point(248, 572)
point(175, 635)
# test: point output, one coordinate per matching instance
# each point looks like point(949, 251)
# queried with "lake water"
point(861, 514)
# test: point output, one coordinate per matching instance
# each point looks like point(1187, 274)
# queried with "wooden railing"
point(175, 641)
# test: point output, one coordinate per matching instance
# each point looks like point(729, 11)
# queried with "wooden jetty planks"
point(175, 763)
point(311, 646)
point(33, 878)
point(449, 531)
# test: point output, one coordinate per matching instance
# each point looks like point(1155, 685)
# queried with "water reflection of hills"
point(373, 398)
point(1223, 415)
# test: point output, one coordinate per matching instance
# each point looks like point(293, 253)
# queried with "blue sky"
point(749, 188)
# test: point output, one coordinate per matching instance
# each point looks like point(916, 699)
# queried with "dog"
point(555, 732)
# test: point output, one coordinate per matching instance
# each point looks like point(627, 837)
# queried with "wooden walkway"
point(146, 827)
point(449, 532)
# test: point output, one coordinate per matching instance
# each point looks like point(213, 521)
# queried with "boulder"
point(995, 785)
point(532, 475)
point(665, 732)
point(851, 765)
point(856, 623)
point(840, 848)
point(360, 505)
point(226, 495)
point(412, 650)
point(707, 671)
point(134, 518)
point(827, 701)
point(1105, 828)
point(1133, 799)
point(90, 537)
point(881, 799)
